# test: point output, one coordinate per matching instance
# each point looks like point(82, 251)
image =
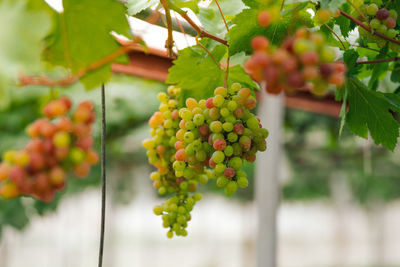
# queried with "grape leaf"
point(332, 5)
point(395, 76)
point(377, 71)
point(135, 6)
point(247, 27)
point(369, 110)
point(211, 19)
point(83, 36)
point(345, 24)
point(350, 58)
point(197, 74)
point(191, 4)
point(20, 51)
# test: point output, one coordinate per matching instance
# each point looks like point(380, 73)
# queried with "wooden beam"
point(154, 64)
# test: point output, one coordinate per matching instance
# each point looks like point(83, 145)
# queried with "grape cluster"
point(206, 139)
point(302, 62)
point(380, 19)
point(220, 133)
point(161, 153)
point(60, 143)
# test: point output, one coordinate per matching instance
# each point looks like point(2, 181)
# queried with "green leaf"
point(378, 70)
point(369, 110)
point(211, 19)
point(83, 36)
point(238, 75)
point(350, 58)
point(20, 51)
point(345, 24)
point(332, 5)
point(247, 27)
point(135, 6)
point(197, 74)
point(191, 4)
point(395, 76)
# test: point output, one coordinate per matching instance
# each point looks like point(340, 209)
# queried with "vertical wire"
point(103, 174)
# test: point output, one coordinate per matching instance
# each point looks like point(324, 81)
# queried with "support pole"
point(271, 110)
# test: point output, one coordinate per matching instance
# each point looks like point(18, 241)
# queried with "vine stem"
point(367, 28)
point(222, 15)
point(103, 175)
point(169, 44)
point(227, 72)
point(47, 81)
point(283, 4)
point(337, 36)
point(202, 33)
point(208, 52)
point(378, 61)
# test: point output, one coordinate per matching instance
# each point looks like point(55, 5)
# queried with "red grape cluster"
point(60, 143)
point(204, 140)
point(302, 62)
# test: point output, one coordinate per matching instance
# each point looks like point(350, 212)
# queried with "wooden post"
point(271, 110)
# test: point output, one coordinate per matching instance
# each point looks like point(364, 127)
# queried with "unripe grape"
point(218, 156)
point(222, 181)
point(9, 190)
point(390, 23)
point(82, 169)
point(77, 155)
point(393, 14)
point(323, 16)
point(219, 144)
point(62, 139)
point(227, 126)
point(21, 158)
point(235, 163)
point(259, 43)
point(372, 9)
point(210, 103)
point(191, 103)
point(243, 182)
point(229, 173)
point(309, 58)
point(216, 127)
point(238, 129)
point(264, 18)
point(231, 188)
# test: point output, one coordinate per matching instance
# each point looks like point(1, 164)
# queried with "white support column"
point(271, 110)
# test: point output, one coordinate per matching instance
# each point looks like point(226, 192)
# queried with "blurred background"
point(339, 198)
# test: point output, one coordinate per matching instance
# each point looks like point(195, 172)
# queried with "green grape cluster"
point(208, 139)
point(380, 19)
point(164, 125)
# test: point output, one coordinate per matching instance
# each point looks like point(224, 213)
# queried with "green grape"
point(222, 181)
point(372, 9)
point(243, 182)
point(218, 100)
point(375, 24)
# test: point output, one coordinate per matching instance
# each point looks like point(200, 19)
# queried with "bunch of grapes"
point(380, 19)
point(60, 143)
point(208, 139)
point(161, 153)
point(302, 62)
point(220, 133)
